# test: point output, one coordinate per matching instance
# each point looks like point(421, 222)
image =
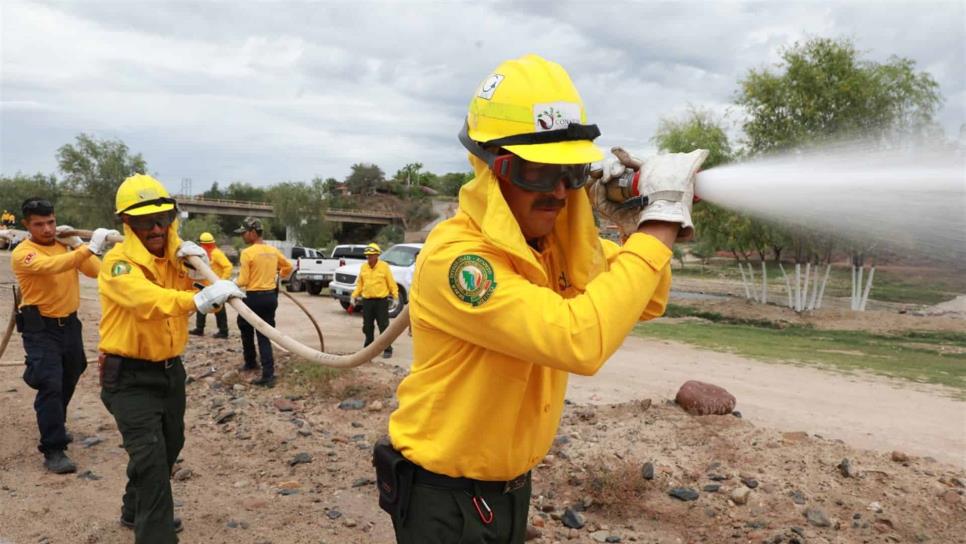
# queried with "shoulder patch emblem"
point(29, 257)
point(471, 279)
point(120, 268)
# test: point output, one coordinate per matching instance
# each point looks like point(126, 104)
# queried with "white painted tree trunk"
point(751, 282)
point(744, 280)
point(798, 287)
point(764, 283)
point(808, 270)
point(868, 287)
point(812, 303)
point(852, 296)
point(788, 284)
point(821, 292)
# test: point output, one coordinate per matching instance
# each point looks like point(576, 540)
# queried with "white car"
point(402, 262)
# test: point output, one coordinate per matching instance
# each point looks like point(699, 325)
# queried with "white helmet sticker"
point(555, 116)
point(489, 86)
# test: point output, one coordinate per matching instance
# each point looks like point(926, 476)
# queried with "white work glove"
point(212, 298)
point(666, 180)
point(99, 240)
point(69, 241)
point(191, 249)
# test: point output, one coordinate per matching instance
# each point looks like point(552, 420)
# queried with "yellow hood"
point(135, 250)
point(574, 234)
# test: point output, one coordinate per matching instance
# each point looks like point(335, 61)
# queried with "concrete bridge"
point(196, 205)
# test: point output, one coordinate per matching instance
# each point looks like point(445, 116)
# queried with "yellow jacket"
point(498, 327)
point(375, 282)
point(145, 300)
point(48, 275)
point(260, 266)
point(220, 265)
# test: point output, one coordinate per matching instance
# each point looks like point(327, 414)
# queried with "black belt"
point(143, 364)
point(55, 322)
point(470, 485)
point(261, 292)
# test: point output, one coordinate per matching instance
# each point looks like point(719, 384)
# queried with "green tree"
point(300, 208)
point(94, 168)
point(192, 228)
point(364, 179)
point(822, 90)
point(20, 187)
point(450, 184)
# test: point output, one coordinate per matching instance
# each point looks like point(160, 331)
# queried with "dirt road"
point(240, 467)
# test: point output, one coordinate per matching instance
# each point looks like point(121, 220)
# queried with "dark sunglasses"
point(540, 177)
point(147, 222)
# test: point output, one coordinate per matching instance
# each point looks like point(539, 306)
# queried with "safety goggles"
point(147, 222)
point(37, 207)
point(540, 177)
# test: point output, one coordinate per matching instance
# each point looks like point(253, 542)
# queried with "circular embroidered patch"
point(120, 268)
point(471, 279)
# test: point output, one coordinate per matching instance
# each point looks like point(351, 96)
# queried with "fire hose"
point(366, 354)
point(8, 332)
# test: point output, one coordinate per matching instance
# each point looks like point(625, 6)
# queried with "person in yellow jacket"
point(146, 298)
point(374, 292)
point(221, 266)
point(261, 266)
point(46, 267)
point(511, 296)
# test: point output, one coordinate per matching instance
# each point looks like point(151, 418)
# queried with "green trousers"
point(148, 404)
point(447, 516)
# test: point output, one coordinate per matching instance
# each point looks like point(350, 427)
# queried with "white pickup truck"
point(313, 274)
point(402, 262)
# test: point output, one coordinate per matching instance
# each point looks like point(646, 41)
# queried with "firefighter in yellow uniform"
point(7, 219)
point(261, 266)
point(509, 297)
point(46, 270)
point(376, 288)
point(146, 297)
point(221, 266)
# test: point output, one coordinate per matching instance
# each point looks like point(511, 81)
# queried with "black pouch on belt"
point(30, 320)
point(394, 478)
point(110, 371)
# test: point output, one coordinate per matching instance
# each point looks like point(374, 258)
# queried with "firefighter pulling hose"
point(396, 327)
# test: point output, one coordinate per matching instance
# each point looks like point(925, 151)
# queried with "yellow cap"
point(372, 249)
point(141, 194)
point(206, 238)
point(531, 95)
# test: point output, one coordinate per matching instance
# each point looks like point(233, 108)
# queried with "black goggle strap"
point(154, 202)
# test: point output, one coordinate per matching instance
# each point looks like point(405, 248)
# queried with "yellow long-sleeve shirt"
point(48, 275)
point(375, 282)
point(498, 327)
point(260, 266)
point(145, 300)
point(220, 264)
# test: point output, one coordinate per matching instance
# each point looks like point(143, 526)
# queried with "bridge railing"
point(267, 206)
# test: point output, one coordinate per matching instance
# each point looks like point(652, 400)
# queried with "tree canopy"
point(93, 168)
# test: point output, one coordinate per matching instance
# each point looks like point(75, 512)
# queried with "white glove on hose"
point(666, 180)
point(69, 241)
point(191, 249)
point(99, 242)
point(212, 298)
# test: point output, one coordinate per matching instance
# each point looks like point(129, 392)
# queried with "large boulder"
point(701, 399)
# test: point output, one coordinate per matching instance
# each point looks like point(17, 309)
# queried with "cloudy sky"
point(266, 92)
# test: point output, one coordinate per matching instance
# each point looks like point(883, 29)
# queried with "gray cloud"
point(266, 92)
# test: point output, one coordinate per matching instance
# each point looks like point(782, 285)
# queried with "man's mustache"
point(554, 203)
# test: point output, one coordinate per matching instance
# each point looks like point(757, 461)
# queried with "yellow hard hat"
point(372, 249)
point(141, 194)
point(529, 107)
point(206, 238)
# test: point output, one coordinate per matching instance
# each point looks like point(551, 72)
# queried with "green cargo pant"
point(148, 404)
point(448, 516)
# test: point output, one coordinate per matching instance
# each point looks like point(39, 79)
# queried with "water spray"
point(907, 200)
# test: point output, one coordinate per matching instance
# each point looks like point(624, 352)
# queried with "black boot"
point(58, 463)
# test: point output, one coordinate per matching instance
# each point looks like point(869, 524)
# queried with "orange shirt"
point(48, 275)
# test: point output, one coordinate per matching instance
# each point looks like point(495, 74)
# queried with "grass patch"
point(616, 489)
point(679, 310)
point(924, 357)
point(311, 378)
